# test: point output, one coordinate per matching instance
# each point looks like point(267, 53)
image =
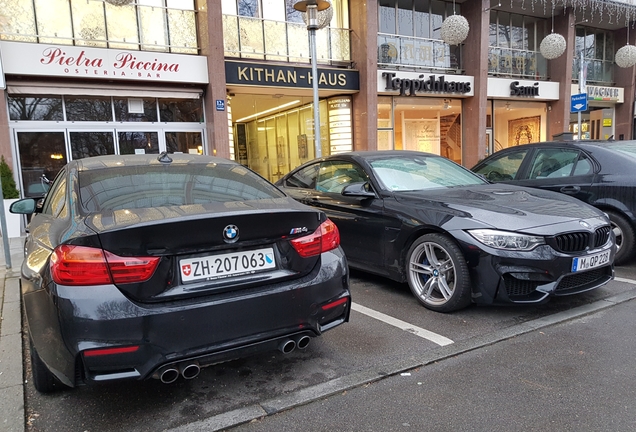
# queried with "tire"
point(437, 273)
point(624, 233)
point(43, 380)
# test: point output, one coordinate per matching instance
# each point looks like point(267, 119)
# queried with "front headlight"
point(506, 240)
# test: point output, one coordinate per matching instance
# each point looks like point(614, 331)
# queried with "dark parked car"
point(142, 266)
point(453, 236)
point(600, 173)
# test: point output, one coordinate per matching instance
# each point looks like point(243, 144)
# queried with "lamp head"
point(320, 5)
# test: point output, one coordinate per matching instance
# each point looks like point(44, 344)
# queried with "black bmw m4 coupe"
point(141, 266)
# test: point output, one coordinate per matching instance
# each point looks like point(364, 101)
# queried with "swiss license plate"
point(592, 261)
point(226, 265)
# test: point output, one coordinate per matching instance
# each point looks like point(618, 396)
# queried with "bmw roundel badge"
point(230, 233)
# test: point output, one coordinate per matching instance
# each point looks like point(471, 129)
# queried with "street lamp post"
point(312, 7)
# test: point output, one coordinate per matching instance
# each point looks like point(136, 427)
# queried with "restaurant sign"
point(84, 62)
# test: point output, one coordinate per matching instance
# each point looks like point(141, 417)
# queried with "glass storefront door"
point(46, 152)
point(137, 142)
point(184, 142)
point(91, 143)
point(41, 153)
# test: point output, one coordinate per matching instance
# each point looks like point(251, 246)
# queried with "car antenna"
point(164, 158)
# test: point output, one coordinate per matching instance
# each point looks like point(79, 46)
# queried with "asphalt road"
point(468, 370)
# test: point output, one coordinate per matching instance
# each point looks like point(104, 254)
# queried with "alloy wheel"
point(432, 273)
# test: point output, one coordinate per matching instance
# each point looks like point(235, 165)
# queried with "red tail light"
point(324, 239)
point(110, 351)
point(82, 265)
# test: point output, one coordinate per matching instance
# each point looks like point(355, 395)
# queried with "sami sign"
point(84, 62)
point(258, 74)
point(503, 88)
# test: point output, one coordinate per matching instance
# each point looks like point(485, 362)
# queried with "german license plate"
point(589, 262)
point(226, 265)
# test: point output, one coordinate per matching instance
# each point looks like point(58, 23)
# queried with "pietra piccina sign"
point(82, 62)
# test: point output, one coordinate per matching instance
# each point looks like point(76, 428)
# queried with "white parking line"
point(620, 279)
point(423, 333)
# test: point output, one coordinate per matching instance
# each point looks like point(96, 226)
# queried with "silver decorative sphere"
point(119, 2)
point(626, 56)
point(552, 46)
point(324, 16)
point(454, 30)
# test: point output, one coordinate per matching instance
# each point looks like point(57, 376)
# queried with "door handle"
point(570, 189)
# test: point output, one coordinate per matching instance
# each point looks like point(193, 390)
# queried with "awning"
point(41, 88)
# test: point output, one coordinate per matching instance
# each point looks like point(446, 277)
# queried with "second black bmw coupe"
point(453, 236)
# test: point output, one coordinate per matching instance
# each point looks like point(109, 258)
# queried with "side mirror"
point(483, 177)
point(360, 189)
point(25, 206)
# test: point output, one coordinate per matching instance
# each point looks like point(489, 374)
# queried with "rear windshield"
point(135, 187)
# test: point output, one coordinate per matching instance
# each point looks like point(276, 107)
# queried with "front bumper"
point(205, 330)
point(501, 276)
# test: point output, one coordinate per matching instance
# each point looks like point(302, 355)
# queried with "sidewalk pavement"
point(11, 378)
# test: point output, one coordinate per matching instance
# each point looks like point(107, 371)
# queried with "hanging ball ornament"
point(119, 2)
point(552, 46)
point(454, 30)
point(626, 56)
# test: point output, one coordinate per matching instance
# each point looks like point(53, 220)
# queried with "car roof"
point(374, 154)
point(110, 161)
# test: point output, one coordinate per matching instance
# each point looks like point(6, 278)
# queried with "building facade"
point(233, 78)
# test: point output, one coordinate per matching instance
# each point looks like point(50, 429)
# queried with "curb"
point(12, 409)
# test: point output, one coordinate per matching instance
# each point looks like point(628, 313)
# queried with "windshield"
point(406, 173)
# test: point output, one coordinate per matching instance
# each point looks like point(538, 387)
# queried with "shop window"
point(138, 142)
point(181, 110)
point(184, 142)
point(88, 144)
point(88, 109)
point(597, 47)
point(18, 21)
point(248, 8)
point(89, 24)
point(124, 106)
point(430, 125)
point(41, 153)
point(58, 30)
point(36, 108)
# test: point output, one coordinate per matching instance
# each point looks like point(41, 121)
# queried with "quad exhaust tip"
point(287, 346)
point(189, 370)
point(302, 342)
point(169, 375)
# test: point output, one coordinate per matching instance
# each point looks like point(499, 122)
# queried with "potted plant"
point(10, 194)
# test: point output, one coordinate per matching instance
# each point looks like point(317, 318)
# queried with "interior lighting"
point(280, 107)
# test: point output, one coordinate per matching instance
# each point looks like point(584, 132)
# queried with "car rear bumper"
point(204, 330)
point(500, 276)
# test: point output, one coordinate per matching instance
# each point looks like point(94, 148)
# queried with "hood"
point(502, 206)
